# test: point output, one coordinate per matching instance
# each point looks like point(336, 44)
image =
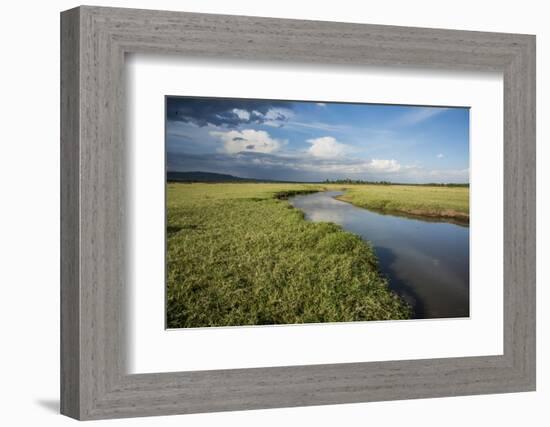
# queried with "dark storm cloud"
point(225, 112)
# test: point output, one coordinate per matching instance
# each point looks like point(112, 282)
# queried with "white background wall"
point(29, 212)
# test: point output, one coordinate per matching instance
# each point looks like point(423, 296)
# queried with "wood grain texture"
point(94, 272)
point(70, 220)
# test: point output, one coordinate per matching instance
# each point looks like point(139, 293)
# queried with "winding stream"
point(426, 262)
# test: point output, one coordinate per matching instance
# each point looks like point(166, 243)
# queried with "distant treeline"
point(211, 177)
point(360, 181)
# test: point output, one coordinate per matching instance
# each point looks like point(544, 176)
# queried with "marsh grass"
point(239, 254)
point(429, 201)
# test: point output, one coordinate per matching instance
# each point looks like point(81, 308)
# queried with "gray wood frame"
point(94, 41)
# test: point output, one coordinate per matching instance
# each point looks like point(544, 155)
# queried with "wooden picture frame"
point(94, 41)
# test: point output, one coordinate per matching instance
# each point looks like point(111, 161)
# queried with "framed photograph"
point(261, 213)
point(392, 241)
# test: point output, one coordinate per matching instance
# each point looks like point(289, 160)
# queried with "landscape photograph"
point(292, 212)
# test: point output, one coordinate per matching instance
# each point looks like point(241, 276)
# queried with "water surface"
point(426, 262)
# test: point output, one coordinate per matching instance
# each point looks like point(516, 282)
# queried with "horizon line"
point(325, 181)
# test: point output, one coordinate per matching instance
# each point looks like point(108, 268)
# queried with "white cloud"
point(420, 174)
point(380, 165)
point(374, 166)
point(440, 156)
point(321, 104)
point(241, 114)
point(277, 117)
point(247, 140)
point(326, 147)
point(380, 169)
point(333, 156)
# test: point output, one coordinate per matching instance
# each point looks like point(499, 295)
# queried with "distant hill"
point(206, 177)
point(199, 176)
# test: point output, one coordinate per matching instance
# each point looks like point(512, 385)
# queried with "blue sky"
point(314, 141)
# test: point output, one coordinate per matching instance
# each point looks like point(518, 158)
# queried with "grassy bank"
point(428, 201)
point(238, 254)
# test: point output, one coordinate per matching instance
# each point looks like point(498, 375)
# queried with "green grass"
point(239, 254)
point(436, 201)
